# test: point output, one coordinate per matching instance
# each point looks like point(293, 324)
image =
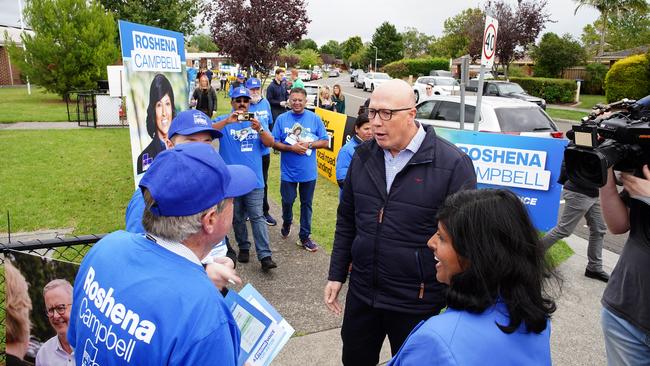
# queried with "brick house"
point(9, 72)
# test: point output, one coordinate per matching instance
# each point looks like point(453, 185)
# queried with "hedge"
point(628, 78)
point(553, 90)
point(415, 66)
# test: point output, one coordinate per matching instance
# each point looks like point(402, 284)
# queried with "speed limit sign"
point(489, 41)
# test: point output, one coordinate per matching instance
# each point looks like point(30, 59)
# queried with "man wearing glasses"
point(244, 141)
point(394, 186)
point(298, 163)
point(58, 299)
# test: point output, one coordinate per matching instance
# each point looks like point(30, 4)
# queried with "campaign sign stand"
point(155, 89)
point(528, 166)
point(335, 125)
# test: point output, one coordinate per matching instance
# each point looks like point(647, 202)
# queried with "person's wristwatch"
point(310, 145)
point(261, 129)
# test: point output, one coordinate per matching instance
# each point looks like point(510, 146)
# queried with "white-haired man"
point(58, 300)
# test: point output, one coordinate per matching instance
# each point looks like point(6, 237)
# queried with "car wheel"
point(417, 96)
point(372, 88)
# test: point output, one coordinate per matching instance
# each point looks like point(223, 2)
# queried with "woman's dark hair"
point(159, 87)
point(340, 96)
point(362, 119)
point(491, 230)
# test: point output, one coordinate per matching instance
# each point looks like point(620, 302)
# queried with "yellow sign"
point(326, 158)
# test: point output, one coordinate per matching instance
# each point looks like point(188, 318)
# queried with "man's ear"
point(209, 221)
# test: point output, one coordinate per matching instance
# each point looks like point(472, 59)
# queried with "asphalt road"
point(356, 97)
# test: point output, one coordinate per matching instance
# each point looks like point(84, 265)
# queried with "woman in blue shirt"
point(489, 254)
point(362, 132)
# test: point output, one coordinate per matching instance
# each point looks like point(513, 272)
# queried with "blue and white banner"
point(528, 166)
point(156, 88)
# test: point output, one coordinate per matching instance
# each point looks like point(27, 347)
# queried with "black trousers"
point(266, 162)
point(365, 328)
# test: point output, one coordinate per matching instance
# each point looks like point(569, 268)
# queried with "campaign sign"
point(156, 88)
point(335, 124)
point(528, 166)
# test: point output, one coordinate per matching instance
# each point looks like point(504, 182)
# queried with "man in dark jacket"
point(394, 186)
point(277, 95)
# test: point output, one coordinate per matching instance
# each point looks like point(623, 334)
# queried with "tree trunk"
point(603, 31)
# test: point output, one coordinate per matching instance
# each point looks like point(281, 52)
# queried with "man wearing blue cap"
point(237, 83)
point(297, 134)
point(262, 109)
point(245, 138)
point(146, 299)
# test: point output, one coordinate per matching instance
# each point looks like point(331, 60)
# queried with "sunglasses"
point(242, 100)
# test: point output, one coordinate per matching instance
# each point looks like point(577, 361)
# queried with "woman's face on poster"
point(163, 115)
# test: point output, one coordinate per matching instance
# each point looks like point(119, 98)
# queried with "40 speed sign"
point(489, 41)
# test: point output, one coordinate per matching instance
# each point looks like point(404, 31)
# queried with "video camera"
point(616, 134)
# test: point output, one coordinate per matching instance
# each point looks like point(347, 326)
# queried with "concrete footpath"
point(295, 288)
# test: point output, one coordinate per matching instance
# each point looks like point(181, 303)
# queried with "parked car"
point(440, 73)
point(354, 74)
point(500, 115)
point(304, 75)
point(312, 95)
point(358, 80)
point(334, 73)
point(442, 85)
point(373, 79)
point(505, 89)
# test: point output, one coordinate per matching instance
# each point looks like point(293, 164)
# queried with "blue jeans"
point(250, 205)
point(626, 345)
point(288, 193)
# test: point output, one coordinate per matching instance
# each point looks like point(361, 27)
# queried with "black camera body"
point(615, 135)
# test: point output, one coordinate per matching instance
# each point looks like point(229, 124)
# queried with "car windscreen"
point(524, 119)
point(450, 111)
point(382, 76)
point(508, 88)
point(311, 89)
point(446, 81)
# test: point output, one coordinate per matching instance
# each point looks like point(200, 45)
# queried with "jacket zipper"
point(419, 262)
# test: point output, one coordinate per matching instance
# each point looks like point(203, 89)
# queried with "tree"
point(305, 44)
point(554, 54)
point(73, 42)
point(388, 43)
point(350, 46)
point(202, 43)
point(462, 35)
point(175, 15)
point(251, 39)
point(288, 57)
point(309, 58)
point(328, 59)
point(625, 30)
point(332, 47)
point(609, 8)
point(359, 59)
point(415, 42)
point(518, 28)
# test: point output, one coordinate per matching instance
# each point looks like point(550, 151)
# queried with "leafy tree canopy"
point(175, 15)
point(309, 58)
point(202, 43)
point(332, 47)
point(462, 35)
point(415, 42)
point(73, 42)
point(350, 46)
point(388, 43)
point(624, 30)
point(306, 43)
point(553, 54)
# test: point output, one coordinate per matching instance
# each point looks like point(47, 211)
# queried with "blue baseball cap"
point(240, 91)
point(193, 177)
point(190, 122)
point(240, 76)
point(253, 83)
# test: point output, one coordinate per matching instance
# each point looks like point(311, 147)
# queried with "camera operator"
point(626, 300)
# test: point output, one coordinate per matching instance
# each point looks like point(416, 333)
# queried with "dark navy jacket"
point(276, 93)
point(385, 236)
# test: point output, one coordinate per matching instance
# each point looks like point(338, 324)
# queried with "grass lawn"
point(17, 106)
point(587, 101)
point(565, 114)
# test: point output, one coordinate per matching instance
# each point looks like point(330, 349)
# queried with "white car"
point(501, 115)
point(373, 79)
point(442, 85)
point(312, 95)
point(358, 79)
point(304, 75)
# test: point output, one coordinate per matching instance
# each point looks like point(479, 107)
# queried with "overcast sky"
point(341, 19)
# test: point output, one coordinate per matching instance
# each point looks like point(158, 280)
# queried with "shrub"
point(515, 71)
point(595, 78)
point(628, 78)
point(553, 90)
point(415, 66)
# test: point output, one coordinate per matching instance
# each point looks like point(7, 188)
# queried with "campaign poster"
point(36, 273)
point(156, 88)
point(326, 158)
point(528, 166)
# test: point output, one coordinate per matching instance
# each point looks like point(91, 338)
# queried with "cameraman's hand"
point(233, 117)
point(638, 188)
point(255, 124)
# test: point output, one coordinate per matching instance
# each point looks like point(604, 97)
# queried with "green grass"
point(587, 101)
point(558, 253)
point(565, 114)
point(17, 106)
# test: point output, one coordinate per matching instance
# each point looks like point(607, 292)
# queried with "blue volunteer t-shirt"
point(263, 113)
point(137, 303)
point(290, 128)
point(345, 158)
point(134, 212)
point(241, 144)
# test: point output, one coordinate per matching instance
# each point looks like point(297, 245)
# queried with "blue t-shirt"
point(137, 303)
point(308, 127)
point(344, 158)
point(262, 110)
point(191, 75)
point(134, 212)
point(241, 144)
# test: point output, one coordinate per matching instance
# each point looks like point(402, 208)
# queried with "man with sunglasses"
point(394, 186)
point(57, 351)
point(244, 141)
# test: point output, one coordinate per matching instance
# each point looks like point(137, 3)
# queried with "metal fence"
point(93, 108)
point(69, 249)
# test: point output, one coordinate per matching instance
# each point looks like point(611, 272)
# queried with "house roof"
point(13, 34)
point(617, 55)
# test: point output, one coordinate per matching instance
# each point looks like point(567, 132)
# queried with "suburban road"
point(356, 97)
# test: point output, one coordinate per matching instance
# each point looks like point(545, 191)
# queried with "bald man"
point(393, 189)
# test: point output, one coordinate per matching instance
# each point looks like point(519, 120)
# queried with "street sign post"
point(487, 60)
